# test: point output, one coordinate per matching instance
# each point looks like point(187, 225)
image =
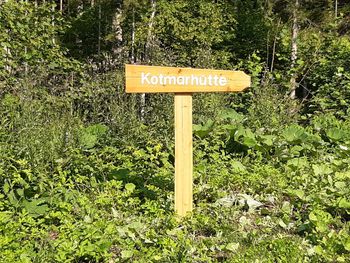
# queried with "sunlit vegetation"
point(87, 171)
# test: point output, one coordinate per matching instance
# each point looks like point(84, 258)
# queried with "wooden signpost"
point(183, 82)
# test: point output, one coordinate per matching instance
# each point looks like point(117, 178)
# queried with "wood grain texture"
point(183, 154)
point(235, 80)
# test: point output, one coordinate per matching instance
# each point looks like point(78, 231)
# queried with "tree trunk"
point(99, 30)
point(149, 33)
point(274, 47)
point(26, 50)
point(53, 23)
point(147, 55)
point(7, 52)
point(336, 9)
point(118, 37)
point(132, 55)
point(294, 53)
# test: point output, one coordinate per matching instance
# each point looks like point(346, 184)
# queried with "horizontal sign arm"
point(153, 79)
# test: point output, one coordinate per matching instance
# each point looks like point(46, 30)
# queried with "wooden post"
point(183, 153)
point(183, 82)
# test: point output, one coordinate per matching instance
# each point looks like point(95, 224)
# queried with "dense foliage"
point(86, 171)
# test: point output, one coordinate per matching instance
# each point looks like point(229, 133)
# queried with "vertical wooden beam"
point(183, 153)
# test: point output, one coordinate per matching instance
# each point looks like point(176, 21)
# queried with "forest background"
point(86, 171)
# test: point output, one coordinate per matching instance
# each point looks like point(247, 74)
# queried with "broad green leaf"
point(203, 130)
point(88, 141)
point(347, 244)
point(294, 134)
point(90, 136)
point(127, 254)
point(157, 257)
point(295, 150)
point(321, 219)
point(5, 217)
point(105, 245)
point(320, 169)
point(136, 225)
point(298, 162)
point(130, 187)
point(245, 136)
point(335, 134)
point(282, 224)
point(267, 139)
point(87, 219)
point(35, 207)
point(340, 185)
point(298, 193)
point(20, 192)
point(238, 166)
point(249, 141)
point(232, 115)
point(343, 203)
point(233, 247)
point(119, 174)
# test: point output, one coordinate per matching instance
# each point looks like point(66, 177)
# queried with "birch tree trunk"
point(336, 9)
point(132, 57)
point(53, 23)
point(147, 56)
point(149, 32)
point(118, 37)
point(294, 53)
point(99, 29)
point(7, 52)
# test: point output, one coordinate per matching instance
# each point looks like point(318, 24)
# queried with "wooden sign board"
point(154, 79)
point(183, 82)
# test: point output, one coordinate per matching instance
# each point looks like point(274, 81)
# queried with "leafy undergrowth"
point(111, 205)
point(259, 196)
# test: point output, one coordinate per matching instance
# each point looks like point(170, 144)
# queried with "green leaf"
point(105, 245)
point(35, 207)
point(130, 187)
point(119, 174)
point(238, 166)
point(203, 130)
point(157, 257)
point(347, 245)
point(88, 141)
point(294, 134)
point(20, 192)
point(321, 219)
point(232, 115)
point(343, 203)
point(249, 141)
point(267, 139)
point(127, 254)
point(295, 150)
point(298, 162)
point(6, 187)
point(246, 136)
point(335, 134)
point(233, 247)
point(298, 193)
point(136, 225)
point(5, 217)
point(320, 169)
point(340, 185)
point(282, 224)
point(90, 136)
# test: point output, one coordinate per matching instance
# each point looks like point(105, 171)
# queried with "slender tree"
point(294, 52)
